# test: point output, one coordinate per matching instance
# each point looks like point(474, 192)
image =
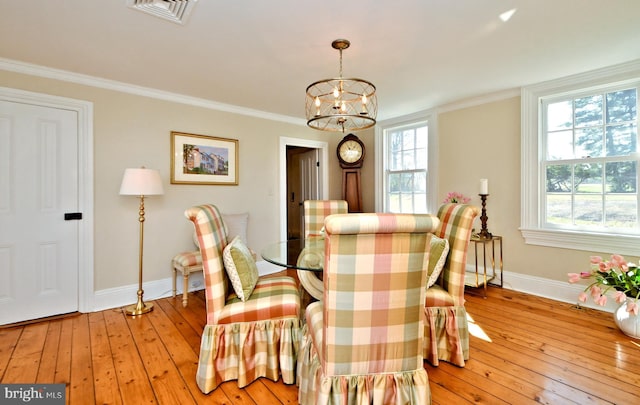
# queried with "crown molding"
point(66, 76)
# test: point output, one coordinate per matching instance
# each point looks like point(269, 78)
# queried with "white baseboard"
point(127, 295)
point(553, 289)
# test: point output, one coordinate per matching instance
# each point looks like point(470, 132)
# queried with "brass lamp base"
point(138, 308)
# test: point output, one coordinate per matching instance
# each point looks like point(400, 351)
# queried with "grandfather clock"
point(351, 155)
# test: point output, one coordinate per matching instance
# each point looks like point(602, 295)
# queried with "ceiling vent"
point(176, 11)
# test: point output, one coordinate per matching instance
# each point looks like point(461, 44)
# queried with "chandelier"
point(341, 104)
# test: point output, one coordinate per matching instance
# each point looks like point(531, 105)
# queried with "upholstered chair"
point(315, 211)
point(362, 342)
point(446, 328)
point(249, 334)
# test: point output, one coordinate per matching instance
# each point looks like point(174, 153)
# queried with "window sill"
point(591, 242)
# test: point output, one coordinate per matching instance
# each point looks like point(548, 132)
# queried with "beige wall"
point(484, 142)
point(131, 131)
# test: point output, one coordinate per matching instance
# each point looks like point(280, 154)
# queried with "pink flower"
point(595, 259)
point(604, 266)
point(618, 261)
point(620, 297)
point(582, 297)
point(601, 300)
point(595, 291)
point(573, 277)
point(632, 307)
point(585, 274)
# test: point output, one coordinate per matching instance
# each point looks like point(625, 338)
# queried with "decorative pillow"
point(236, 226)
point(437, 258)
point(241, 268)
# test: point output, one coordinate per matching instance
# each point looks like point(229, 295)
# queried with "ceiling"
point(261, 55)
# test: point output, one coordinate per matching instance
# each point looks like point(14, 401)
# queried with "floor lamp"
point(140, 182)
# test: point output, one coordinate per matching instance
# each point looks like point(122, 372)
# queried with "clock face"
point(350, 151)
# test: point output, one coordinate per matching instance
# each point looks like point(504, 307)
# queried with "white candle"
point(484, 186)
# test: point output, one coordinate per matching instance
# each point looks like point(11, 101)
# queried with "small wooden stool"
point(186, 263)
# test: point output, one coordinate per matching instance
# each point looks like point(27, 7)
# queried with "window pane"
point(394, 203)
point(408, 162)
point(588, 178)
point(559, 115)
point(394, 182)
point(588, 111)
point(621, 106)
point(559, 209)
point(588, 210)
point(621, 139)
point(589, 142)
point(559, 179)
point(621, 177)
point(560, 145)
point(420, 182)
point(621, 211)
point(420, 203)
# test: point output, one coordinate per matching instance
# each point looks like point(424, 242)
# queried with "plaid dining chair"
point(249, 336)
point(362, 342)
point(315, 211)
point(446, 329)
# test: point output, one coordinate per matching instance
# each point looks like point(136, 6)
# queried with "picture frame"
point(202, 159)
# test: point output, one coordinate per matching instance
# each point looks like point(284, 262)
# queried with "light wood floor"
point(525, 349)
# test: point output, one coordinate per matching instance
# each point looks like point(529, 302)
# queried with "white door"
point(38, 185)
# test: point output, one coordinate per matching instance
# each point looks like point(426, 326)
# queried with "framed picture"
point(201, 159)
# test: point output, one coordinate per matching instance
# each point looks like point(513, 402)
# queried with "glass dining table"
point(304, 255)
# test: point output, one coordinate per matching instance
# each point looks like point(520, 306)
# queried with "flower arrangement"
point(617, 275)
point(455, 197)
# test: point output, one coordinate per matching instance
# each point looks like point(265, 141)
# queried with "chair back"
point(315, 211)
point(212, 239)
point(456, 224)
point(374, 277)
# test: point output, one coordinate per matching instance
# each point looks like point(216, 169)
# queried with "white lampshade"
point(141, 181)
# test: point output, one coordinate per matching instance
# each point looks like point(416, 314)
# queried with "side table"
point(479, 277)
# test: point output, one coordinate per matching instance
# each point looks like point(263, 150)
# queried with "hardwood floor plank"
point(157, 362)
point(182, 354)
point(461, 387)
point(133, 381)
point(49, 358)
point(81, 383)
point(8, 340)
point(105, 381)
point(23, 365)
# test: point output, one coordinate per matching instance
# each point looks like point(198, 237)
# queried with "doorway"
point(303, 175)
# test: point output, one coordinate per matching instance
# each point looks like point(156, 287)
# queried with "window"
point(580, 162)
point(406, 167)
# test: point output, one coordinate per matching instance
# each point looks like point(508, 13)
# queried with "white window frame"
point(532, 150)
point(381, 157)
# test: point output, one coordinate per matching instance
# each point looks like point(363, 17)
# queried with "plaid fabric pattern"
point(372, 313)
point(242, 340)
point(315, 211)
point(446, 330)
point(186, 259)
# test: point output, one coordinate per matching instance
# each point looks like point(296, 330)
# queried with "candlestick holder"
point(484, 232)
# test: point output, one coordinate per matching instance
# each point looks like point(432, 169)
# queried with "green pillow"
point(241, 268)
point(437, 258)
